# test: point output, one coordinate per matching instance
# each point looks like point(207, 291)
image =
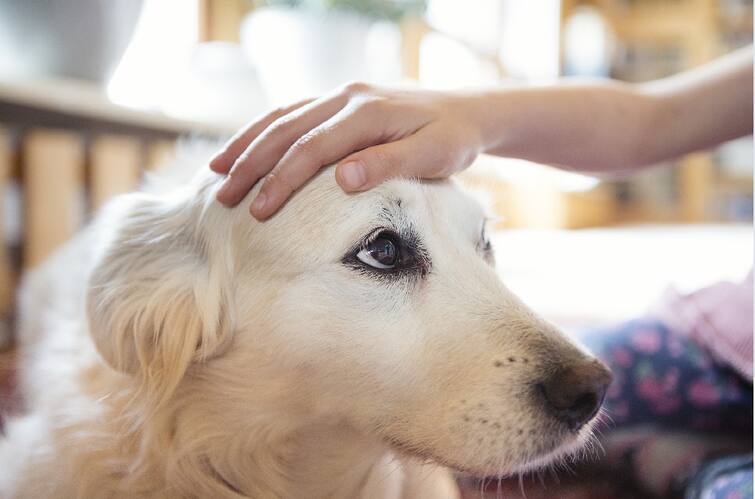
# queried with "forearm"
point(701, 108)
point(610, 126)
point(587, 126)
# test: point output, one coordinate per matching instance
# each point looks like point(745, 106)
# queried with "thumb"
point(369, 167)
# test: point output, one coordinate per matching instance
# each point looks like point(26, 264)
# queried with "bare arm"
point(609, 126)
point(376, 133)
point(702, 107)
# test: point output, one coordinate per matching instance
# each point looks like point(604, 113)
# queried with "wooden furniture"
point(7, 276)
point(66, 149)
point(539, 202)
point(657, 38)
point(53, 174)
point(221, 19)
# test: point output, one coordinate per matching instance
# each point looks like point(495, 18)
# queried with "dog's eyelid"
point(380, 231)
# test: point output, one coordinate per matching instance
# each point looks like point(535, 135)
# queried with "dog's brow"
point(392, 212)
point(395, 216)
point(391, 205)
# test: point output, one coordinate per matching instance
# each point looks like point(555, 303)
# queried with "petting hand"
point(373, 133)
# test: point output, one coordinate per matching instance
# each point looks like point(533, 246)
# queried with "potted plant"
point(306, 47)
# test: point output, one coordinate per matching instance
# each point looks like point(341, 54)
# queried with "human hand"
point(374, 134)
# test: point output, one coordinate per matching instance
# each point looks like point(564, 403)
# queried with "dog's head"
point(382, 310)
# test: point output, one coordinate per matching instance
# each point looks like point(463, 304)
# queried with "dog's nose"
point(574, 394)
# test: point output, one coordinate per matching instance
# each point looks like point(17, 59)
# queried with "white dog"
point(353, 346)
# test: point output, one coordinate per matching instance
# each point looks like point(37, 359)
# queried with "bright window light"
point(529, 47)
point(159, 51)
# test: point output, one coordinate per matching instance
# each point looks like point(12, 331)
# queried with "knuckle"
point(306, 144)
point(278, 112)
point(355, 88)
point(278, 128)
point(370, 106)
point(240, 164)
point(275, 182)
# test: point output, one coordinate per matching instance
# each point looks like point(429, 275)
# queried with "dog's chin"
point(570, 444)
point(426, 455)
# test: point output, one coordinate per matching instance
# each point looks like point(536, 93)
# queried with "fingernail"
point(353, 174)
point(259, 202)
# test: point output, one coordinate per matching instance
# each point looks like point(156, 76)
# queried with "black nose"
point(574, 394)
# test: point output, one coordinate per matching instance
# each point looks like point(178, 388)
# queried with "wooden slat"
point(221, 19)
point(160, 153)
point(696, 179)
point(115, 167)
point(413, 30)
point(203, 27)
point(71, 103)
point(7, 277)
point(53, 185)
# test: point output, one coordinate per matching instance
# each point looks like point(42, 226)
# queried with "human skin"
point(375, 133)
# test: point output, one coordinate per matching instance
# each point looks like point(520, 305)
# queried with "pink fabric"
point(718, 317)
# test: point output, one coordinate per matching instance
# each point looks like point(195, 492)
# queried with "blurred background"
point(94, 93)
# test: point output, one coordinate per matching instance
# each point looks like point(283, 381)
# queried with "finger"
point(269, 146)
point(344, 133)
point(224, 159)
point(424, 154)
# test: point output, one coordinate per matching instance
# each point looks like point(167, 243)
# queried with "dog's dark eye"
point(380, 253)
point(485, 245)
point(387, 255)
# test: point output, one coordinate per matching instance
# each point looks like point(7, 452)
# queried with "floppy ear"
point(155, 301)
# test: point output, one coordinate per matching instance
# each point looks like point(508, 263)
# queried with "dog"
point(353, 346)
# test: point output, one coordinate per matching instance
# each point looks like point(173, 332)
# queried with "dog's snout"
point(574, 394)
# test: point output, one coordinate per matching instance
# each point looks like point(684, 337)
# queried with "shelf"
point(66, 103)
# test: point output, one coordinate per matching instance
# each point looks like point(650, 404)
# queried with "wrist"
point(472, 108)
point(492, 114)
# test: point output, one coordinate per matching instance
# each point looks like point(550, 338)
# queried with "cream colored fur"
point(180, 349)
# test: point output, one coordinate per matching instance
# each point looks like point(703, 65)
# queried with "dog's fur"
point(177, 348)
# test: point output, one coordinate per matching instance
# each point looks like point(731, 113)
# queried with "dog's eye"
point(485, 247)
point(380, 253)
point(387, 255)
point(484, 243)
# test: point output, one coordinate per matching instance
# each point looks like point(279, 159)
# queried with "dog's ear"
point(156, 301)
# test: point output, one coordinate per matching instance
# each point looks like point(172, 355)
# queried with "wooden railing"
point(62, 176)
point(64, 151)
